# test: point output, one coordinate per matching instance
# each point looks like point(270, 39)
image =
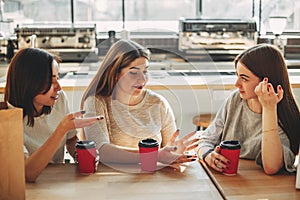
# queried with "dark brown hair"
point(265, 60)
point(29, 74)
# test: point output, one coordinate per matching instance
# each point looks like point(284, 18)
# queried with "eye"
point(133, 72)
point(244, 79)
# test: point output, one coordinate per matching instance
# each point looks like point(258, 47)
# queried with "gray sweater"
point(235, 121)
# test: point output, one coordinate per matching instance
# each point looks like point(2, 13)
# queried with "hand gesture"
point(216, 161)
point(75, 120)
point(173, 152)
point(266, 94)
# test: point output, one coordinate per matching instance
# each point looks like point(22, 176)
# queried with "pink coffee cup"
point(231, 150)
point(86, 156)
point(148, 149)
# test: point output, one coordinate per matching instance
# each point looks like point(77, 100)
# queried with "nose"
point(143, 77)
point(237, 83)
point(57, 86)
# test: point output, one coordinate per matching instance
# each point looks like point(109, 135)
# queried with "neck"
point(130, 100)
point(254, 105)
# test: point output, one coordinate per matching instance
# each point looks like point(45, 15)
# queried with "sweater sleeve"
point(97, 132)
point(168, 122)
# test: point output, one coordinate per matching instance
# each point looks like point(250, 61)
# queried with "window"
point(145, 14)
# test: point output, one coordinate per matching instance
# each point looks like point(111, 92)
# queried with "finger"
point(174, 136)
point(184, 159)
point(279, 92)
point(78, 114)
point(186, 137)
point(257, 89)
point(195, 140)
point(264, 87)
point(170, 148)
point(191, 147)
point(217, 149)
point(216, 167)
point(83, 122)
point(271, 89)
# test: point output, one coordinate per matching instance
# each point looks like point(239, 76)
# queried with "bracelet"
point(208, 152)
point(270, 130)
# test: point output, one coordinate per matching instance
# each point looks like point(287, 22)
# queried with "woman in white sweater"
point(131, 111)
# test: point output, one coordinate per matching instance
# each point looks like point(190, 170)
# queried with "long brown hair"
point(265, 60)
point(120, 55)
point(29, 74)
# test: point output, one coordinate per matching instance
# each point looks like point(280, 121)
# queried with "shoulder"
point(234, 97)
point(155, 97)
point(95, 101)
point(62, 101)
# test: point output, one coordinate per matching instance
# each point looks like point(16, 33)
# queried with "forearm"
point(272, 153)
point(112, 154)
point(70, 144)
point(37, 162)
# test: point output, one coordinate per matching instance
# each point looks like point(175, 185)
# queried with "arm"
point(36, 163)
point(70, 144)
point(272, 152)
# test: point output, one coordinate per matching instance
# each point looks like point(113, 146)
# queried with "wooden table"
point(252, 183)
point(63, 181)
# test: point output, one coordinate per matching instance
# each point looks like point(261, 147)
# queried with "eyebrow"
point(135, 67)
point(244, 75)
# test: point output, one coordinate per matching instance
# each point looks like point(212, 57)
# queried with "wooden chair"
point(202, 121)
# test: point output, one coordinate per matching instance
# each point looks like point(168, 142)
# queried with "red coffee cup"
point(86, 156)
point(148, 149)
point(231, 150)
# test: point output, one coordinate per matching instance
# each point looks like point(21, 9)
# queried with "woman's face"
point(133, 78)
point(246, 81)
point(49, 98)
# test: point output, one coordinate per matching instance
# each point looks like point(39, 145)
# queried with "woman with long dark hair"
point(262, 114)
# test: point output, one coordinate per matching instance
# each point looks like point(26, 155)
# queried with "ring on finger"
point(215, 161)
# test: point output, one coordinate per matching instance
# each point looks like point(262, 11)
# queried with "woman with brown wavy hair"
point(131, 111)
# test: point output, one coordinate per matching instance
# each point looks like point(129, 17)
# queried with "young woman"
point(32, 84)
point(262, 114)
point(131, 112)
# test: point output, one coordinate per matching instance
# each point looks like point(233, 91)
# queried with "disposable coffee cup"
point(148, 149)
point(86, 156)
point(231, 150)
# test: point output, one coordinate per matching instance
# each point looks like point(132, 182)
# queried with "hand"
point(216, 161)
point(75, 120)
point(173, 153)
point(266, 94)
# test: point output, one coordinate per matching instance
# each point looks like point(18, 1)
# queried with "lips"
point(55, 97)
point(138, 87)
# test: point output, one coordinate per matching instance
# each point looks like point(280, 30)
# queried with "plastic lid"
point(85, 144)
point(230, 144)
point(149, 142)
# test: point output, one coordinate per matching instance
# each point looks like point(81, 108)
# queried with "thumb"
point(217, 149)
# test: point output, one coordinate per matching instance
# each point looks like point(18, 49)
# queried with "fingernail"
point(82, 112)
point(100, 117)
point(188, 156)
point(265, 79)
point(177, 130)
point(269, 85)
point(175, 148)
point(279, 87)
point(194, 159)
